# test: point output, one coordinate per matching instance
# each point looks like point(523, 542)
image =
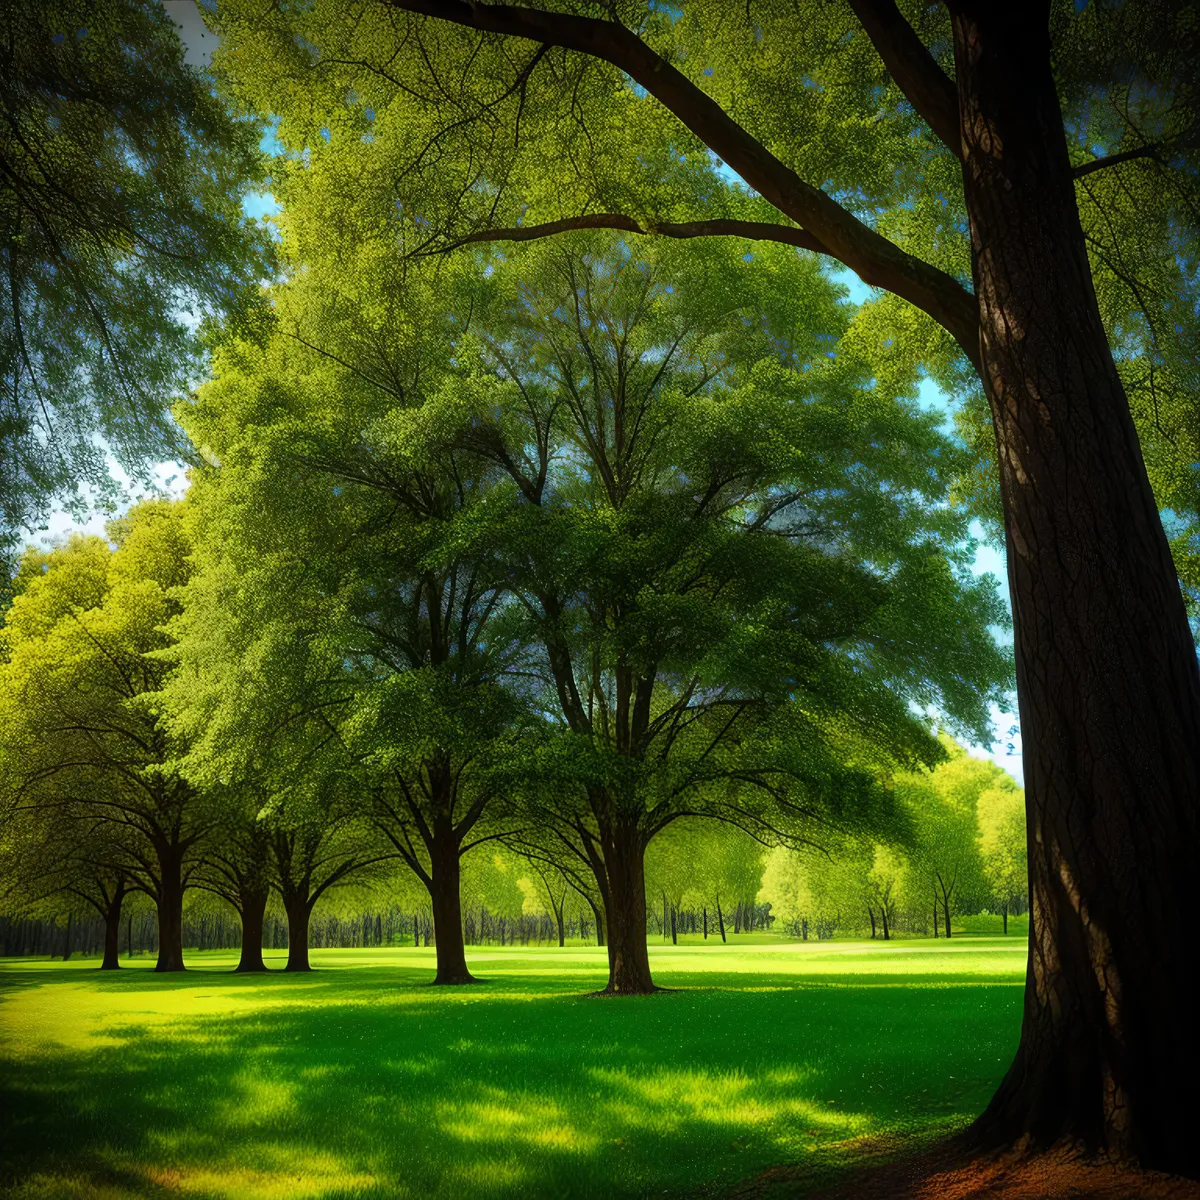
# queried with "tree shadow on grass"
point(364, 1083)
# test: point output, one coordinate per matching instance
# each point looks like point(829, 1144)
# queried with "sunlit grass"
point(361, 1081)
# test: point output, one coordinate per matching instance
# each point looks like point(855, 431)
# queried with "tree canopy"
point(121, 186)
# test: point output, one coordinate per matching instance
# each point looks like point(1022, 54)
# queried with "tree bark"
point(721, 920)
point(1005, 915)
point(252, 907)
point(628, 956)
point(598, 916)
point(444, 896)
point(1106, 667)
point(169, 903)
point(298, 911)
point(886, 932)
point(112, 937)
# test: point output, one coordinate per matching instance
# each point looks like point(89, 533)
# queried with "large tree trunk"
point(298, 911)
point(628, 957)
point(169, 903)
point(445, 898)
point(253, 907)
point(1106, 667)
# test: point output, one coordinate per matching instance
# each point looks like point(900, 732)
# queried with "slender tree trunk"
point(946, 910)
point(674, 935)
point(253, 908)
point(871, 914)
point(720, 919)
point(562, 933)
point(169, 903)
point(444, 895)
point(883, 914)
point(629, 959)
point(598, 917)
point(1106, 667)
point(112, 934)
point(706, 923)
point(67, 937)
point(1004, 913)
point(298, 912)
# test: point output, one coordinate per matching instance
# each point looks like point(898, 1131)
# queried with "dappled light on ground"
point(362, 1081)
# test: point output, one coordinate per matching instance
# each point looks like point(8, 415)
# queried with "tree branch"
point(758, 231)
point(877, 261)
point(925, 85)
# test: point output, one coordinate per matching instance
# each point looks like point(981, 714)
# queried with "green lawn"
point(358, 1081)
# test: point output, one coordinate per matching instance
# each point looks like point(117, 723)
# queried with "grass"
point(359, 1081)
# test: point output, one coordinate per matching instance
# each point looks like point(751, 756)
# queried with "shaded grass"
point(361, 1081)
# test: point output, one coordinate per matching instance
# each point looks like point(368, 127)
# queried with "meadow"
point(359, 1080)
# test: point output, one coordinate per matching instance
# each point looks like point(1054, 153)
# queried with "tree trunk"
point(935, 916)
point(674, 936)
point(298, 912)
point(253, 908)
point(562, 933)
point(883, 915)
point(444, 895)
point(706, 923)
point(1004, 912)
point(946, 911)
point(169, 903)
point(67, 937)
point(628, 957)
point(1106, 667)
point(598, 917)
point(720, 919)
point(112, 934)
point(871, 914)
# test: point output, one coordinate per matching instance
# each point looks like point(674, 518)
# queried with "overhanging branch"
point(925, 85)
point(877, 261)
point(759, 231)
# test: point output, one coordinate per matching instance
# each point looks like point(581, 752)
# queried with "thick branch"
point(925, 85)
point(871, 256)
point(758, 231)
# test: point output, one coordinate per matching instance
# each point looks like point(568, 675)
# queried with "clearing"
point(361, 1081)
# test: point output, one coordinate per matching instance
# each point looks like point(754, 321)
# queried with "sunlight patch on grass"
point(136, 1086)
point(508, 1117)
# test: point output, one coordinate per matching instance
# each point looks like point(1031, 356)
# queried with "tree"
point(335, 490)
point(1002, 842)
point(1045, 154)
point(945, 858)
point(699, 592)
point(120, 208)
point(237, 866)
point(80, 704)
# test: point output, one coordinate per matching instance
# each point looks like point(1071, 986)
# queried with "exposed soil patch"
point(948, 1173)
